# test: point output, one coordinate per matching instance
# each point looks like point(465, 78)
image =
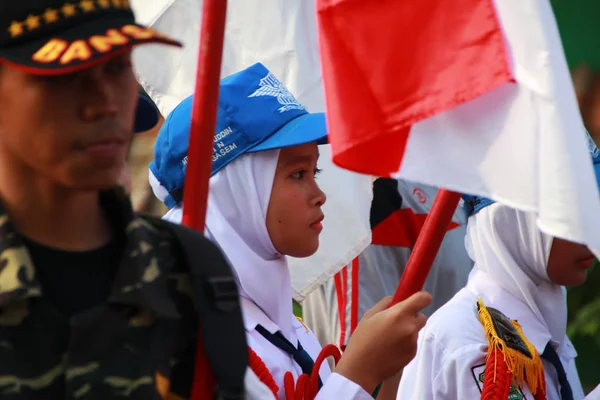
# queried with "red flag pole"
point(427, 245)
point(204, 119)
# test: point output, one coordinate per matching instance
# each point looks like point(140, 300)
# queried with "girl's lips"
point(587, 262)
point(317, 224)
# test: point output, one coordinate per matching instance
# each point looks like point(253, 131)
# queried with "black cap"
point(146, 114)
point(55, 37)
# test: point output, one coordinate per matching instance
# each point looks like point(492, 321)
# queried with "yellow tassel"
point(525, 370)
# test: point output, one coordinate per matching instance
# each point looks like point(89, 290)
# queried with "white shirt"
point(595, 395)
point(452, 348)
point(279, 362)
point(379, 269)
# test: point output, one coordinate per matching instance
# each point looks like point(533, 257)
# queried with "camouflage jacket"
point(138, 345)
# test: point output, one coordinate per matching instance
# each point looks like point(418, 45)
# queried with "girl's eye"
point(298, 175)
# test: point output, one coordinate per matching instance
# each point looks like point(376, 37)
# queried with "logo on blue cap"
point(592, 146)
point(271, 86)
point(255, 113)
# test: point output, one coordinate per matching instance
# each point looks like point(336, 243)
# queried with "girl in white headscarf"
point(519, 271)
point(264, 204)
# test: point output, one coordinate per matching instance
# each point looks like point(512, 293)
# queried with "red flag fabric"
point(404, 61)
point(473, 96)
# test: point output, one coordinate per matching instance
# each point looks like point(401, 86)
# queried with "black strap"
point(550, 355)
point(218, 306)
point(299, 355)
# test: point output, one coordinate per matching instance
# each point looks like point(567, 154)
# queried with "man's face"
point(72, 130)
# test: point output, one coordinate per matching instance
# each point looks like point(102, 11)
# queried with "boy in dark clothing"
point(95, 302)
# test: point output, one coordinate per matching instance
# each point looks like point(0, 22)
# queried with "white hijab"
point(238, 200)
point(507, 245)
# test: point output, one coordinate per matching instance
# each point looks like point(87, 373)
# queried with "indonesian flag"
point(471, 95)
point(281, 34)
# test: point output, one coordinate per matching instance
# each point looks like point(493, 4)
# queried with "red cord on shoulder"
point(257, 365)
point(327, 351)
point(304, 391)
point(306, 387)
point(541, 393)
point(289, 386)
point(499, 388)
point(497, 378)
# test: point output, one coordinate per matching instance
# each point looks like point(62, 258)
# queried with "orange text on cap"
point(82, 50)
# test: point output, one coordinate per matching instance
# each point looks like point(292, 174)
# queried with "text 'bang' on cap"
point(55, 37)
point(255, 113)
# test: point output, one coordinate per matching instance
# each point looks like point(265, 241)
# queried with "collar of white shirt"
point(253, 316)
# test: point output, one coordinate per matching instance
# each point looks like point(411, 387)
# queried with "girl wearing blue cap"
point(263, 205)
point(513, 307)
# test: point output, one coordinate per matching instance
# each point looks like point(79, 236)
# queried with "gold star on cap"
point(32, 22)
point(69, 10)
point(87, 5)
point(50, 15)
point(104, 3)
point(16, 29)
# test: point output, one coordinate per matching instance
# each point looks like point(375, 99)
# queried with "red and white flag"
point(470, 95)
point(282, 34)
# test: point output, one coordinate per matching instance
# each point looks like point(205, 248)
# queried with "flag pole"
point(427, 245)
point(204, 119)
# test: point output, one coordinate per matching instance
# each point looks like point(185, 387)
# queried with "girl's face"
point(294, 215)
point(568, 262)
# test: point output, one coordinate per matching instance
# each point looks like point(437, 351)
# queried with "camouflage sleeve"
point(182, 374)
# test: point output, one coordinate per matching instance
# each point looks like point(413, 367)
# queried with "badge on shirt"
point(478, 374)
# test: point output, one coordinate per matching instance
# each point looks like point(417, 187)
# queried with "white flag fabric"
point(476, 96)
point(532, 151)
point(282, 35)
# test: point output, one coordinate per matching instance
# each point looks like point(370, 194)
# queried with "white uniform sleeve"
point(595, 395)
point(338, 387)
point(435, 374)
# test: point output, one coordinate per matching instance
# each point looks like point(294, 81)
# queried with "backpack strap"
point(218, 307)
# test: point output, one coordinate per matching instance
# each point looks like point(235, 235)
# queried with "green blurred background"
point(579, 25)
point(579, 31)
point(584, 327)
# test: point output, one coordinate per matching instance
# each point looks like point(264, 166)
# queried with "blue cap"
point(146, 114)
point(255, 113)
point(475, 203)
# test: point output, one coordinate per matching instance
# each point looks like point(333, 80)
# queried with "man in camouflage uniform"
point(95, 302)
